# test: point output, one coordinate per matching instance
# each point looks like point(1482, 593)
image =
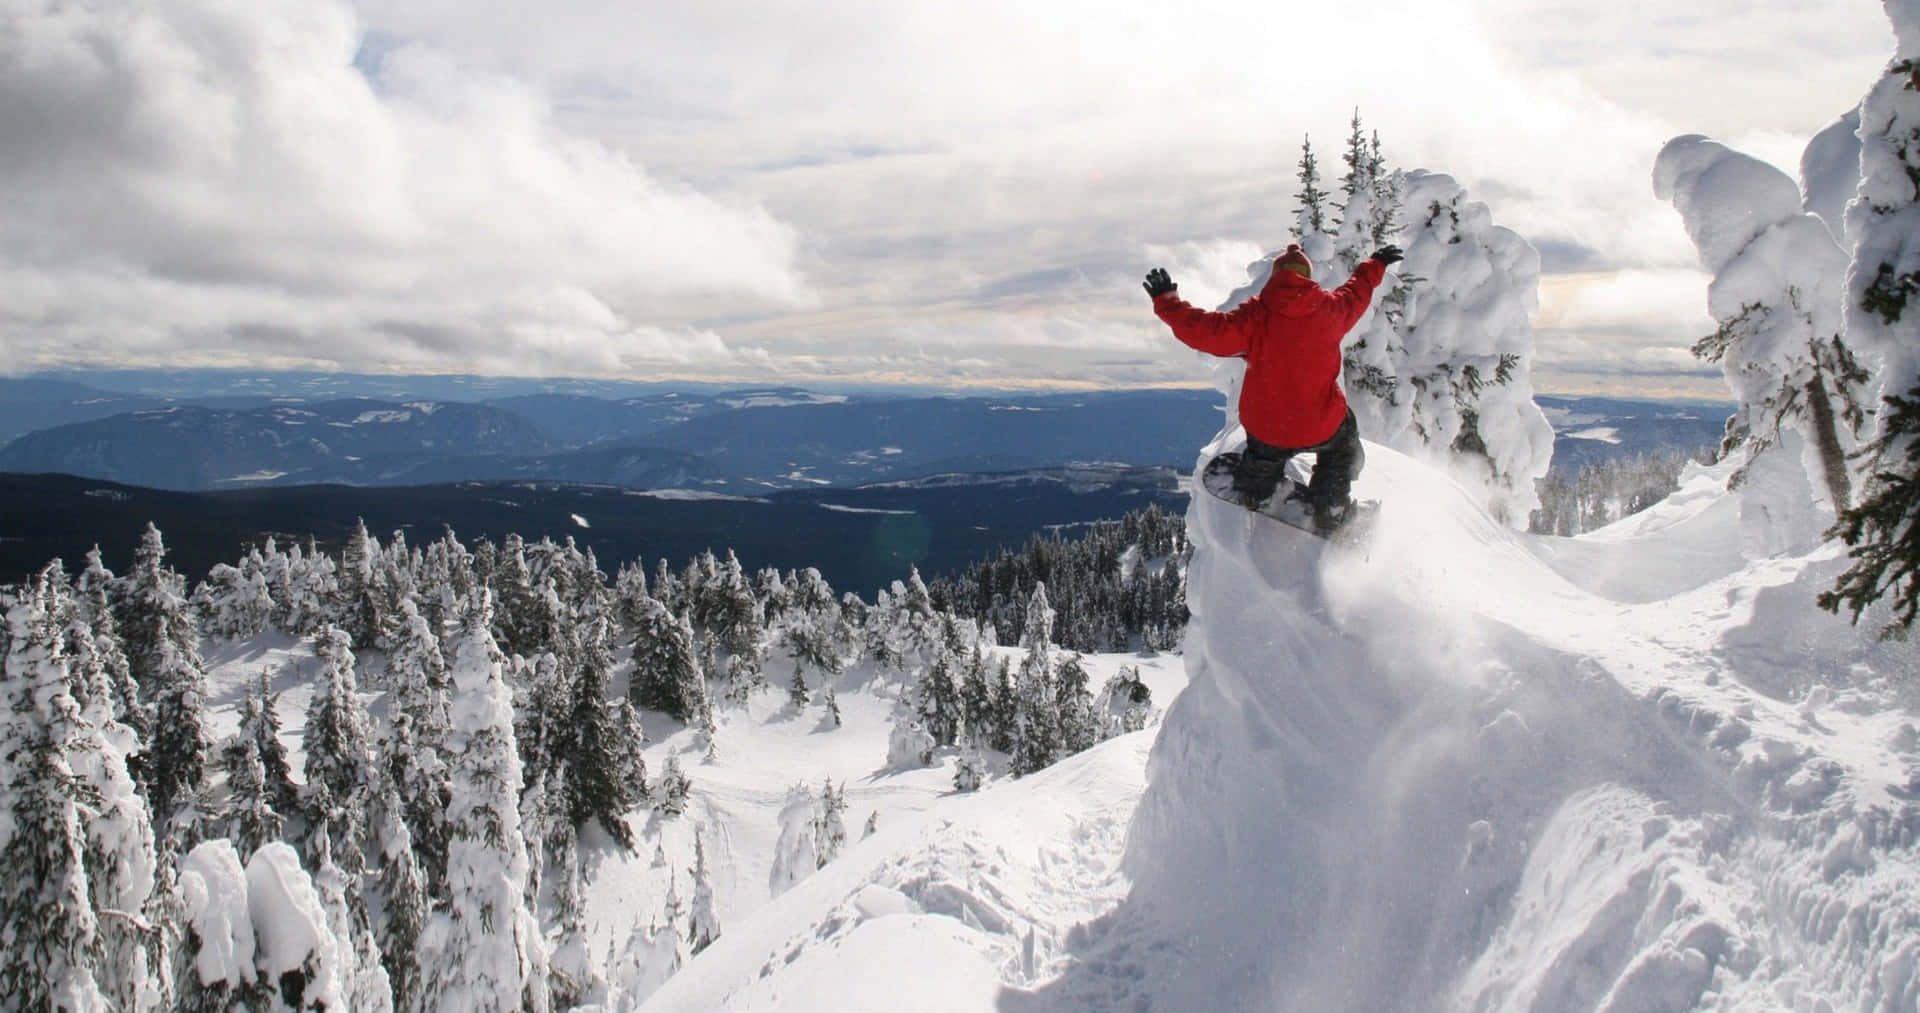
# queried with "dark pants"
point(1336, 463)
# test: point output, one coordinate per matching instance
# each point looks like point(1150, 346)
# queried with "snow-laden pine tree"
point(666, 672)
point(796, 853)
point(120, 854)
point(670, 795)
point(703, 919)
point(597, 777)
point(94, 611)
point(830, 823)
point(909, 744)
point(573, 970)
point(260, 721)
point(250, 819)
point(938, 699)
point(297, 954)
point(356, 609)
point(1081, 724)
point(231, 603)
point(1882, 528)
point(484, 951)
point(52, 945)
point(419, 723)
point(811, 625)
point(220, 969)
point(403, 908)
point(728, 615)
point(340, 772)
point(1440, 366)
point(163, 648)
point(362, 979)
point(1776, 295)
point(1036, 736)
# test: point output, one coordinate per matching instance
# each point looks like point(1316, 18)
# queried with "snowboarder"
point(1290, 401)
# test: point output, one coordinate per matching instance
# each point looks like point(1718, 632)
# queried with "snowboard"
point(1217, 478)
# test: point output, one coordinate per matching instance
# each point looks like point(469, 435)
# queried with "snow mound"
point(1441, 771)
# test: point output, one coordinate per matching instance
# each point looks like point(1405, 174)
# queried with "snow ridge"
point(1436, 773)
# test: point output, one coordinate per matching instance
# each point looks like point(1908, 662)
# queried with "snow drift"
point(1441, 772)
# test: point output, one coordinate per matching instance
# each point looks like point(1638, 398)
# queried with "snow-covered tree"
point(164, 651)
point(1036, 737)
point(403, 905)
point(233, 603)
point(796, 854)
point(357, 607)
point(587, 752)
point(830, 824)
point(703, 926)
point(812, 621)
point(297, 954)
point(250, 819)
point(573, 970)
point(339, 764)
point(1311, 216)
point(909, 744)
point(120, 858)
point(485, 949)
point(94, 611)
point(260, 721)
point(1776, 295)
point(1882, 528)
point(414, 750)
point(52, 940)
point(221, 971)
point(671, 794)
point(666, 672)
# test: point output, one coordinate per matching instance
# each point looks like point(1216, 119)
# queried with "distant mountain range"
point(745, 441)
point(861, 539)
point(860, 484)
point(1588, 429)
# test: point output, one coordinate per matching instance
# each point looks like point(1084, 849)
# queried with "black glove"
point(1158, 283)
point(1388, 255)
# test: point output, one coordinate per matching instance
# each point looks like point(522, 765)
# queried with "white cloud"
point(191, 180)
point(837, 185)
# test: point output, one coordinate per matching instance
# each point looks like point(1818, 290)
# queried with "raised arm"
point(1222, 334)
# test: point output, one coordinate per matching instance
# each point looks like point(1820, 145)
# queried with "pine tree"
point(403, 902)
point(812, 633)
point(1037, 712)
point(1882, 528)
point(53, 946)
point(250, 819)
point(575, 975)
point(120, 859)
point(1311, 216)
point(597, 784)
point(356, 608)
point(830, 827)
point(704, 920)
point(486, 951)
point(339, 764)
point(93, 605)
point(164, 651)
point(666, 676)
point(796, 852)
point(673, 789)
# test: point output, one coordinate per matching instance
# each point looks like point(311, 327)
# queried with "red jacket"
point(1290, 336)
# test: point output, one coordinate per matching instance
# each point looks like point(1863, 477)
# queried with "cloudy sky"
point(833, 191)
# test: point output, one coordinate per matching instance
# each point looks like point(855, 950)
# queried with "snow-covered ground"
point(1453, 768)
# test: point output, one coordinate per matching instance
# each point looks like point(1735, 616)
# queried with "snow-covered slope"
point(1453, 768)
point(1446, 772)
